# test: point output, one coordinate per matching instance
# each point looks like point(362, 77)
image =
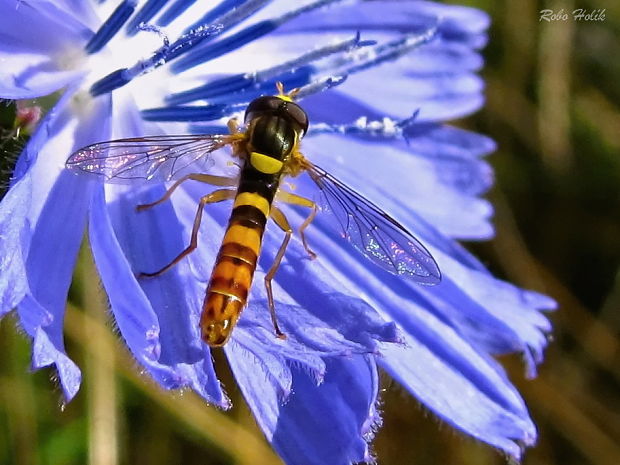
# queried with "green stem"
point(100, 373)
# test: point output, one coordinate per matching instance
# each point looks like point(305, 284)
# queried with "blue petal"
point(500, 317)
point(463, 388)
point(83, 13)
point(438, 97)
point(46, 352)
point(132, 311)
point(309, 339)
point(441, 87)
point(440, 57)
point(459, 24)
point(58, 211)
point(14, 240)
point(324, 308)
point(19, 207)
point(307, 336)
point(51, 259)
point(454, 153)
point(269, 364)
point(403, 181)
point(318, 425)
point(32, 62)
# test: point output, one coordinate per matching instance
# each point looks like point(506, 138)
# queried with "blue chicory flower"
point(315, 394)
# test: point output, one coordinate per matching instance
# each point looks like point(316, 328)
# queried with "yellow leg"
point(206, 178)
point(214, 197)
point(279, 218)
point(237, 138)
point(233, 125)
point(293, 199)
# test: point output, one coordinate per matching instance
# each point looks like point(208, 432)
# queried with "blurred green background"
point(554, 109)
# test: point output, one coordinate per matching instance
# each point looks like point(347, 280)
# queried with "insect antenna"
point(290, 96)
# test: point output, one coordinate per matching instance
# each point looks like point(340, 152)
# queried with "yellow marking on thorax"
point(265, 164)
point(249, 237)
point(255, 200)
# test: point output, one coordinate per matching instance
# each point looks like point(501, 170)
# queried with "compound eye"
point(265, 104)
point(297, 114)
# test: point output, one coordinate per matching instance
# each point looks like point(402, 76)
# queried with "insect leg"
point(214, 197)
point(293, 199)
point(206, 178)
point(279, 218)
point(233, 125)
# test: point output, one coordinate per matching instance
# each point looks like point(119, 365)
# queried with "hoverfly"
point(268, 150)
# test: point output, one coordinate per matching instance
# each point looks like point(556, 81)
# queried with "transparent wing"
point(159, 158)
point(373, 232)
